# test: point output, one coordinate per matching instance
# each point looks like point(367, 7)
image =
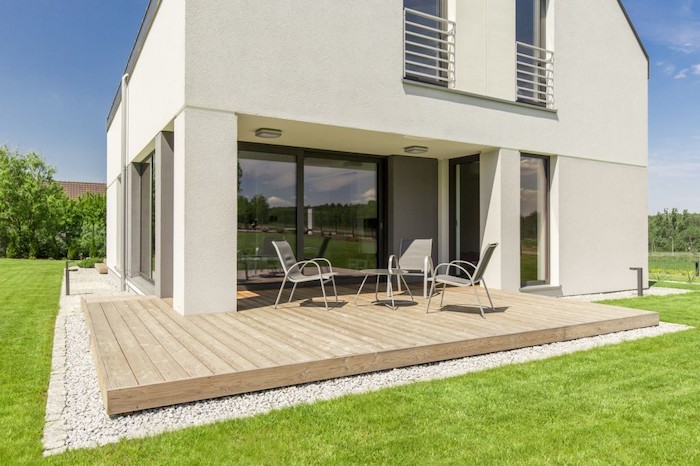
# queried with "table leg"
point(360, 290)
point(390, 290)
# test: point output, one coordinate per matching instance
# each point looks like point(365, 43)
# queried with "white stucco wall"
point(204, 212)
point(602, 225)
point(340, 63)
point(113, 260)
point(157, 85)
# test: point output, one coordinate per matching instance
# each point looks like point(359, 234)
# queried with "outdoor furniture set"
point(414, 259)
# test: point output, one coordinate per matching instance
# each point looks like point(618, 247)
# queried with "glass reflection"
point(340, 212)
point(266, 211)
point(534, 229)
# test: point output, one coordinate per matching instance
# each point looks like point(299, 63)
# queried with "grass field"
point(672, 266)
point(633, 403)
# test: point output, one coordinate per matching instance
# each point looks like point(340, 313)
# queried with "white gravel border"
point(75, 417)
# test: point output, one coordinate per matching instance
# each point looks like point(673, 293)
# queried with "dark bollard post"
point(697, 268)
point(67, 279)
point(640, 277)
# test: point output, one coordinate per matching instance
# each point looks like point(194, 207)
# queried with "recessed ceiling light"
point(415, 149)
point(268, 133)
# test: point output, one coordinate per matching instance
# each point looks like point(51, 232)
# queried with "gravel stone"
point(75, 416)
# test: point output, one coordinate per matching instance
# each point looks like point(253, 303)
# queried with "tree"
point(30, 217)
point(92, 210)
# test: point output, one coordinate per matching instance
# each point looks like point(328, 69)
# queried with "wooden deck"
point(147, 355)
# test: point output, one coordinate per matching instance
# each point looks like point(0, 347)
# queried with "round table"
point(388, 273)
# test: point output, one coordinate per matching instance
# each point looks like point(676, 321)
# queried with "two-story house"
point(521, 122)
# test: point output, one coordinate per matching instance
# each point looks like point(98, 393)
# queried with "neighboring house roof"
point(74, 189)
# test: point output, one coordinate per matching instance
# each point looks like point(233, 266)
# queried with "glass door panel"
point(340, 215)
point(534, 214)
point(466, 210)
point(267, 212)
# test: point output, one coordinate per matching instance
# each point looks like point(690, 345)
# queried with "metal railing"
point(535, 75)
point(429, 48)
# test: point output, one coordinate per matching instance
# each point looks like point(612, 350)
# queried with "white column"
point(204, 212)
point(500, 207)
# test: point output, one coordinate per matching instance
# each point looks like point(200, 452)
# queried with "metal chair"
point(472, 278)
point(293, 271)
point(415, 256)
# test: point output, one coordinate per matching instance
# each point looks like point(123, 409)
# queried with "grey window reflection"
point(534, 225)
point(340, 211)
point(266, 211)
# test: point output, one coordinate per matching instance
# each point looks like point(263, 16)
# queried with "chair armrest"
point(302, 264)
point(330, 267)
point(393, 258)
point(463, 262)
point(455, 264)
point(428, 266)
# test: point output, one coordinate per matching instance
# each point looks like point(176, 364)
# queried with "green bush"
point(89, 262)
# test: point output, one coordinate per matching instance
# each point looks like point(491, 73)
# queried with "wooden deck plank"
point(108, 355)
point(188, 335)
point(192, 366)
point(249, 336)
point(278, 338)
point(263, 347)
point(166, 365)
point(141, 365)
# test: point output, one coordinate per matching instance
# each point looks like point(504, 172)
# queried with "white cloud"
point(682, 74)
point(274, 201)
point(666, 68)
point(695, 69)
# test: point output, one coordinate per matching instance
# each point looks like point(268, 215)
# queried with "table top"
point(384, 271)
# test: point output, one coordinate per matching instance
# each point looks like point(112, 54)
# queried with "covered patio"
point(148, 356)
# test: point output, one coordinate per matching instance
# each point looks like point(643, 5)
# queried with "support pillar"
point(500, 207)
point(204, 212)
point(164, 214)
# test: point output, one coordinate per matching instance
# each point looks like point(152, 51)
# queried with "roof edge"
point(636, 35)
point(145, 27)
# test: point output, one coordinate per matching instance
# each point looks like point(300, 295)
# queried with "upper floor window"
point(428, 42)
point(530, 18)
point(535, 72)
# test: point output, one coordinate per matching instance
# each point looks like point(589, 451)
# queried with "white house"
point(522, 122)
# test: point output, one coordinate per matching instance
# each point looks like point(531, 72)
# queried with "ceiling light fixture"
point(268, 133)
point(415, 149)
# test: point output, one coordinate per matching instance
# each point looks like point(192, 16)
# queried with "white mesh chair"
point(474, 274)
point(415, 256)
point(293, 271)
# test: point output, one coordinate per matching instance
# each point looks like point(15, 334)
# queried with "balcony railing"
point(535, 75)
point(429, 48)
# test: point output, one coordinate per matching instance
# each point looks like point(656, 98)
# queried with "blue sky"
point(60, 63)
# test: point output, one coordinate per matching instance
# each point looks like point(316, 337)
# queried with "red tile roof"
point(75, 188)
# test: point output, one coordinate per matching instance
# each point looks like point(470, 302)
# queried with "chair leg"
point(279, 295)
point(442, 296)
point(335, 290)
point(430, 296)
point(478, 299)
point(408, 288)
point(294, 288)
point(488, 294)
point(323, 290)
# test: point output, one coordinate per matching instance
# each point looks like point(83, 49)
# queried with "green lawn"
point(633, 403)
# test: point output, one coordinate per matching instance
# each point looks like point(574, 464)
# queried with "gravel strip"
point(75, 416)
point(628, 294)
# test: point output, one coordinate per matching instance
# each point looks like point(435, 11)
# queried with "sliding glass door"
point(340, 211)
point(465, 209)
point(323, 204)
point(534, 220)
